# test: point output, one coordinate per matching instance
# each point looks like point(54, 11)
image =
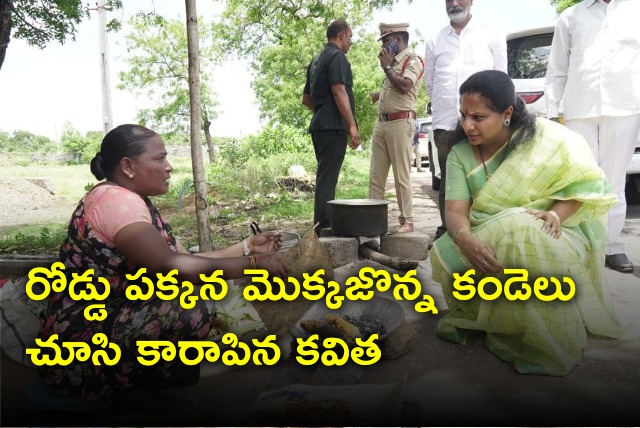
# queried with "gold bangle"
point(252, 262)
point(464, 229)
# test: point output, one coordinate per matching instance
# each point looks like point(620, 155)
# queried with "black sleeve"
point(338, 69)
point(307, 85)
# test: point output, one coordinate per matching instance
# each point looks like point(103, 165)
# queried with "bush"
point(84, 148)
point(256, 175)
point(280, 139)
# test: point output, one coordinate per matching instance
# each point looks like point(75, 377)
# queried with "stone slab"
point(411, 245)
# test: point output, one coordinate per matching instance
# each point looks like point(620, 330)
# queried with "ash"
point(366, 325)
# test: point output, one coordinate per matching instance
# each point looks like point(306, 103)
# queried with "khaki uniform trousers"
point(391, 146)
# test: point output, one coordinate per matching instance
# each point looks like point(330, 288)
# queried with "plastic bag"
point(307, 256)
point(19, 323)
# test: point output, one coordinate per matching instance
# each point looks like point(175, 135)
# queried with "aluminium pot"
point(358, 217)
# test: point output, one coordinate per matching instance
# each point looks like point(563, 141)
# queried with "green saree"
point(535, 336)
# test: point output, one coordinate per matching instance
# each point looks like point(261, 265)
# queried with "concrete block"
point(45, 183)
point(411, 245)
point(342, 251)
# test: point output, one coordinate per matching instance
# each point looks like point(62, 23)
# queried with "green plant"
point(237, 195)
point(184, 187)
point(272, 140)
point(33, 239)
point(84, 148)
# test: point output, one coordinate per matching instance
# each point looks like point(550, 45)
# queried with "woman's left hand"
point(265, 242)
point(551, 224)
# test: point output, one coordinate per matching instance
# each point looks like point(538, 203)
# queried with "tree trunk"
point(5, 28)
point(207, 136)
point(200, 184)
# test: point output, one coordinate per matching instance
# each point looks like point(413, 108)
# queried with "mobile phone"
point(394, 47)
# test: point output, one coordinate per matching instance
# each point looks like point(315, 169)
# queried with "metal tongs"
point(255, 228)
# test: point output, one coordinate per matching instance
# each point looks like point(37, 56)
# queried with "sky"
point(41, 90)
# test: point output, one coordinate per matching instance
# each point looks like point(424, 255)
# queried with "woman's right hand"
point(480, 255)
point(277, 264)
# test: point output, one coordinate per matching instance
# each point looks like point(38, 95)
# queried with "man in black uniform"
point(328, 94)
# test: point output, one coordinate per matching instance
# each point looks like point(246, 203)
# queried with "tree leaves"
point(157, 59)
point(563, 4)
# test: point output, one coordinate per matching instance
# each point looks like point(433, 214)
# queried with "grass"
point(33, 239)
point(237, 195)
point(68, 180)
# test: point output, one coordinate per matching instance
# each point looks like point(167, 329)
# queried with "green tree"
point(247, 27)
point(25, 141)
point(282, 37)
point(158, 71)
point(40, 22)
point(83, 147)
point(93, 141)
point(5, 142)
point(281, 73)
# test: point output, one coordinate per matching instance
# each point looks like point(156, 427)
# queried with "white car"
point(421, 150)
point(528, 54)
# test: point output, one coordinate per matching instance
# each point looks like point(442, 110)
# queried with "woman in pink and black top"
point(116, 230)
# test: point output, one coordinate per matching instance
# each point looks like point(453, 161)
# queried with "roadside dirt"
point(23, 202)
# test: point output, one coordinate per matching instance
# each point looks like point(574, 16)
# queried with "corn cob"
point(343, 325)
point(324, 330)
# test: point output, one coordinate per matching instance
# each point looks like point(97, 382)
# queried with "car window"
point(528, 56)
point(424, 128)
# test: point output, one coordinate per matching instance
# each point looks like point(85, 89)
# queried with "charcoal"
point(366, 325)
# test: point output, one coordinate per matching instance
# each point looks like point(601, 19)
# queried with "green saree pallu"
point(536, 336)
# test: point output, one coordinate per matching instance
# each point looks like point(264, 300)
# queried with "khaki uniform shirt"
point(391, 99)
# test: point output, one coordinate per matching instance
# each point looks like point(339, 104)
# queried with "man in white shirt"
point(458, 50)
point(594, 66)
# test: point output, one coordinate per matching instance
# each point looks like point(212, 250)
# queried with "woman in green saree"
point(525, 193)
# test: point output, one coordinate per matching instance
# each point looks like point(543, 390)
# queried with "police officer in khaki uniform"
point(394, 130)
